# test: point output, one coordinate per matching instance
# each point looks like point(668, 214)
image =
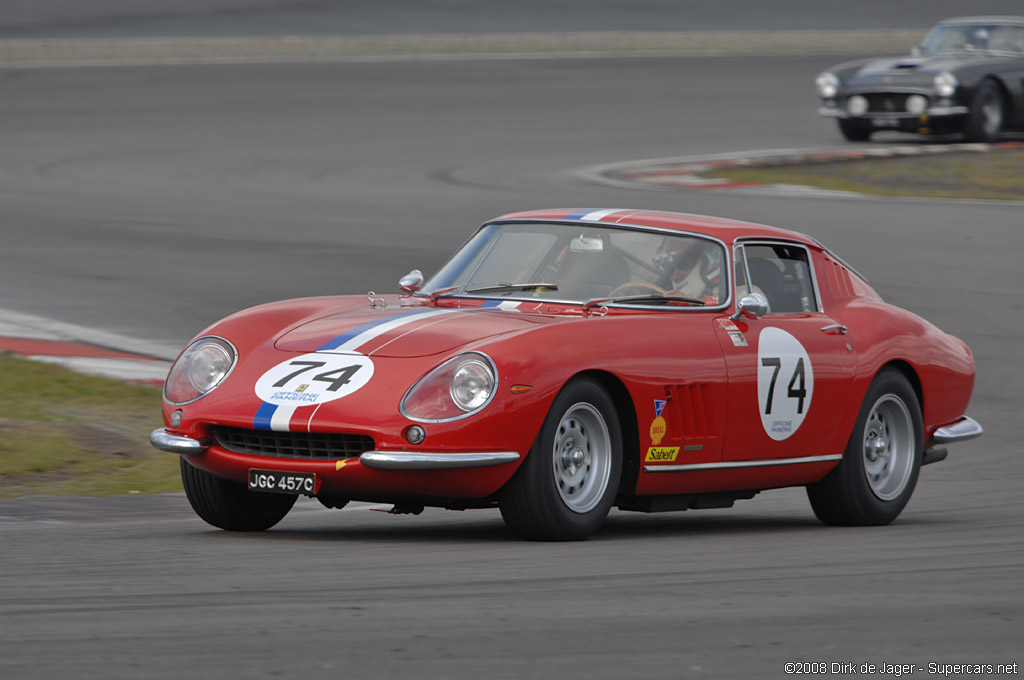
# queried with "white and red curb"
point(84, 350)
point(697, 172)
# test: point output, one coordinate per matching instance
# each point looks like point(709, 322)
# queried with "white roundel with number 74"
point(785, 382)
point(315, 378)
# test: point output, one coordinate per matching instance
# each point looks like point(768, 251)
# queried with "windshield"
point(574, 263)
point(975, 38)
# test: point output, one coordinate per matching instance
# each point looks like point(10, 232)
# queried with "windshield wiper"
point(495, 287)
point(646, 297)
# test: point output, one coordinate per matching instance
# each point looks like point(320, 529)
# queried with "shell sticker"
point(658, 426)
point(314, 379)
point(785, 382)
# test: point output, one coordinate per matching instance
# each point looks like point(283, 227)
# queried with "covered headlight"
point(945, 84)
point(828, 85)
point(457, 388)
point(857, 105)
point(916, 104)
point(201, 367)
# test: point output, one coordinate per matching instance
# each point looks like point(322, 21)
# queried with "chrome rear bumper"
point(962, 430)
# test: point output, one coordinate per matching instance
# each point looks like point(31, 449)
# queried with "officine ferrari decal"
point(785, 382)
point(658, 426)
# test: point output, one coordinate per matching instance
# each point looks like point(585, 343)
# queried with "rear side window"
point(782, 273)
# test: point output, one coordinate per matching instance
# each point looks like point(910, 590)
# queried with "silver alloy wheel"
point(888, 447)
point(992, 113)
point(582, 457)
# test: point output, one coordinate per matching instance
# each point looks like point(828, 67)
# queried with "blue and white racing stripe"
point(278, 416)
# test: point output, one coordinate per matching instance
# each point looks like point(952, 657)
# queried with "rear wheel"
point(565, 487)
point(853, 132)
point(231, 506)
point(985, 118)
point(879, 469)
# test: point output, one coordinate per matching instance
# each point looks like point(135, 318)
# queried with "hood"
point(908, 70)
point(404, 331)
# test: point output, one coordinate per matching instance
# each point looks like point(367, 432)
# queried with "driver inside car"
point(691, 268)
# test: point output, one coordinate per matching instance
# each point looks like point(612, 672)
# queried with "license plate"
point(885, 122)
point(292, 483)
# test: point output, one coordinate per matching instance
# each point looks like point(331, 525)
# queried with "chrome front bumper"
point(933, 112)
point(381, 460)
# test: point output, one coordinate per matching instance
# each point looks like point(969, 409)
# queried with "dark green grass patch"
point(995, 175)
point(63, 432)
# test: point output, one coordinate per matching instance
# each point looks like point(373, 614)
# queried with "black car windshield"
point(980, 37)
point(576, 263)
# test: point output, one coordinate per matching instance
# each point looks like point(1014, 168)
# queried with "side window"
point(782, 274)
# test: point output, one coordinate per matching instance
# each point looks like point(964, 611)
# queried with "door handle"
point(834, 329)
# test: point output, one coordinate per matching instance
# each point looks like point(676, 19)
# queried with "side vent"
point(839, 280)
point(692, 403)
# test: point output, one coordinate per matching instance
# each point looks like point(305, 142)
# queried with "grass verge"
point(67, 433)
point(995, 175)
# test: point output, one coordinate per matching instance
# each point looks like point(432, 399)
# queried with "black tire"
point(987, 114)
point(568, 482)
point(853, 132)
point(878, 472)
point(231, 506)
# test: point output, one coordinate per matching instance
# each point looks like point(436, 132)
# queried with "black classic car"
point(966, 77)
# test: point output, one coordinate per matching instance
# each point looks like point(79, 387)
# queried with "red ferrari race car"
point(562, 362)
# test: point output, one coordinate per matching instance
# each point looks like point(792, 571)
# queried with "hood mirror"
point(411, 282)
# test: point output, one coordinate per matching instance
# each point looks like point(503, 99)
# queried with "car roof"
point(725, 229)
point(1018, 21)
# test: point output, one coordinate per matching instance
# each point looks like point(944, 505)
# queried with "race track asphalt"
point(150, 201)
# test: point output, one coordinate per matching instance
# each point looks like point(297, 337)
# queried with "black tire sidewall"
point(231, 506)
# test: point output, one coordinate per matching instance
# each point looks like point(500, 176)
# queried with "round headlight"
point(916, 104)
point(945, 84)
point(458, 388)
point(472, 384)
point(856, 105)
point(199, 369)
point(828, 85)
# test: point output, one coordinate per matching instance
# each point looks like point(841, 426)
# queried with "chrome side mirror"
point(752, 306)
point(411, 282)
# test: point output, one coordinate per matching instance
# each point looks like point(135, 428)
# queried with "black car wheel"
point(985, 118)
point(231, 506)
point(878, 472)
point(854, 132)
point(565, 487)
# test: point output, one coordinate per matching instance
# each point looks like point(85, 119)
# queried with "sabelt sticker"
point(785, 383)
point(314, 378)
point(661, 454)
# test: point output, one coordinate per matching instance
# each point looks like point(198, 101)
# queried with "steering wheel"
point(638, 288)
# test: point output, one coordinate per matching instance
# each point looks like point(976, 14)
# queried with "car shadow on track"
point(483, 527)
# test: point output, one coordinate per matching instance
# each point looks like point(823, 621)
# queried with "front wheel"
point(565, 487)
point(878, 472)
point(231, 506)
point(853, 132)
point(984, 121)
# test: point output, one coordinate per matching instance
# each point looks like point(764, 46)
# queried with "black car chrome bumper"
point(933, 112)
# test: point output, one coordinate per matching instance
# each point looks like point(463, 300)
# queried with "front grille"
point(311, 445)
point(886, 102)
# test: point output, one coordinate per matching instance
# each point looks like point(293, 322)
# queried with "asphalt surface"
point(150, 201)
